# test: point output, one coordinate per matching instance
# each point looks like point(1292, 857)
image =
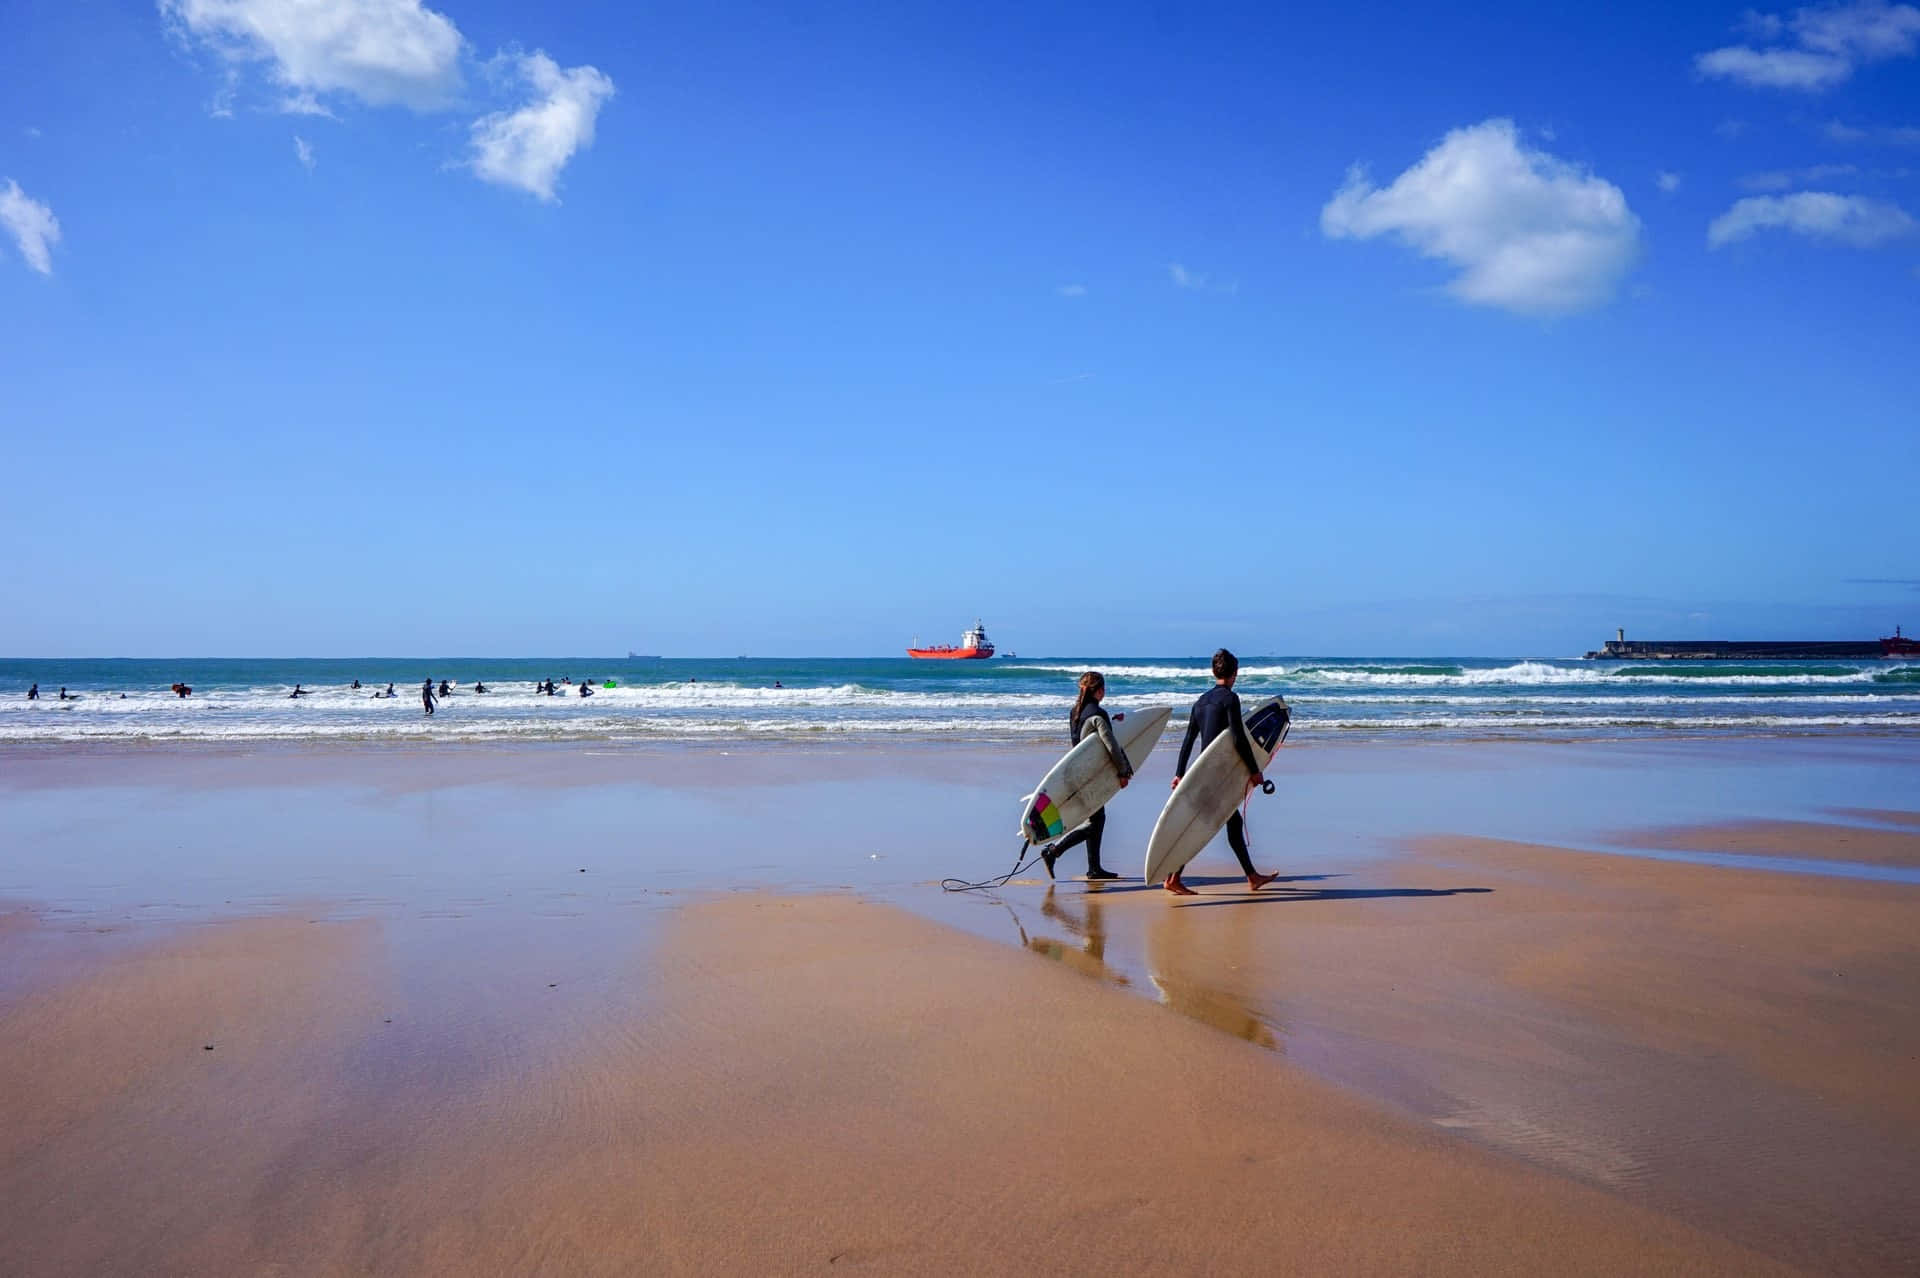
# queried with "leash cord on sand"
point(1021, 861)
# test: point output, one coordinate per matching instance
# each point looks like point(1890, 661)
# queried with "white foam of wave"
point(1494, 701)
point(424, 729)
point(1536, 673)
point(1483, 723)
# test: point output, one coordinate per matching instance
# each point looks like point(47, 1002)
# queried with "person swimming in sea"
point(446, 689)
point(64, 696)
point(478, 686)
point(298, 691)
point(33, 693)
point(586, 690)
point(1088, 716)
point(356, 684)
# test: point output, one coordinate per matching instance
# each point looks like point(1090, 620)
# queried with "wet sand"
point(789, 1084)
point(500, 1025)
point(1815, 840)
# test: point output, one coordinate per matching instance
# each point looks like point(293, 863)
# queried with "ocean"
point(703, 699)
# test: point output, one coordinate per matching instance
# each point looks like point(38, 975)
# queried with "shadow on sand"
point(1297, 895)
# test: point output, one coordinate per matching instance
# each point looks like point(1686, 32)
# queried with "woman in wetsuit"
point(1089, 717)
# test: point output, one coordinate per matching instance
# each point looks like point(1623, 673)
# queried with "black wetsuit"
point(426, 696)
point(1217, 711)
point(1096, 826)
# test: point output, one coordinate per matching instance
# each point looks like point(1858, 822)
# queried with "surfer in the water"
point(1089, 717)
point(1217, 711)
point(426, 696)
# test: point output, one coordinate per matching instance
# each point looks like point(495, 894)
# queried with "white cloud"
point(1775, 68)
point(383, 52)
point(303, 152)
point(1850, 219)
point(1529, 232)
point(1668, 182)
point(1072, 290)
point(32, 224)
point(1199, 281)
point(1897, 134)
point(1868, 31)
point(528, 147)
point(1828, 42)
point(305, 104)
point(1781, 179)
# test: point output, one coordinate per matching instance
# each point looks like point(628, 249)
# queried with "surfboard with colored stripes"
point(1085, 780)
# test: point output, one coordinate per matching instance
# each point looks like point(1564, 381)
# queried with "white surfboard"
point(1213, 787)
point(1085, 779)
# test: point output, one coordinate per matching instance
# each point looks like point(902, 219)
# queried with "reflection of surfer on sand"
point(1172, 944)
point(1090, 959)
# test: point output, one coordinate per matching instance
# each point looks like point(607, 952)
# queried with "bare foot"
point(1257, 881)
point(1175, 886)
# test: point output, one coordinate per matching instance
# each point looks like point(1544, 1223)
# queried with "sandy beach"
point(386, 1021)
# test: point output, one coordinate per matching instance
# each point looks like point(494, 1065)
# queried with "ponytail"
point(1090, 682)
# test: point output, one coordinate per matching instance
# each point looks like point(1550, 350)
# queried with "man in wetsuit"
point(426, 696)
point(33, 693)
point(1217, 711)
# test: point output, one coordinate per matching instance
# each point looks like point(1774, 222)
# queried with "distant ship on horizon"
point(973, 646)
point(643, 656)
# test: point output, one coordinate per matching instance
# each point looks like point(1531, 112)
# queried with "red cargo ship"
point(1899, 645)
point(973, 645)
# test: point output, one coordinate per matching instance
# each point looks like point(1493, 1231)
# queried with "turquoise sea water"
point(1000, 699)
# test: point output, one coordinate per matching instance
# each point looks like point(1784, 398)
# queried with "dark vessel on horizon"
point(1621, 648)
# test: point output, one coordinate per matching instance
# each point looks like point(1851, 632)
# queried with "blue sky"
point(472, 328)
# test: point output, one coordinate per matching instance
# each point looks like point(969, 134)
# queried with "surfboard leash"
point(1021, 861)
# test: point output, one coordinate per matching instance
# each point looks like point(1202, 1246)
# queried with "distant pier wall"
point(1733, 650)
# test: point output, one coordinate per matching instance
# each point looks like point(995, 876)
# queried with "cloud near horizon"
point(1849, 219)
point(1529, 232)
point(1828, 43)
point(34, 228)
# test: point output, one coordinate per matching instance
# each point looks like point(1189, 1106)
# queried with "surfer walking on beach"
point(1089, 717)
point(1217, 711)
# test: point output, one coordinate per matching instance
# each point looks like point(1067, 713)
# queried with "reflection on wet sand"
point(1176, 954)
point(1170, 964)
point(1089, 957)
